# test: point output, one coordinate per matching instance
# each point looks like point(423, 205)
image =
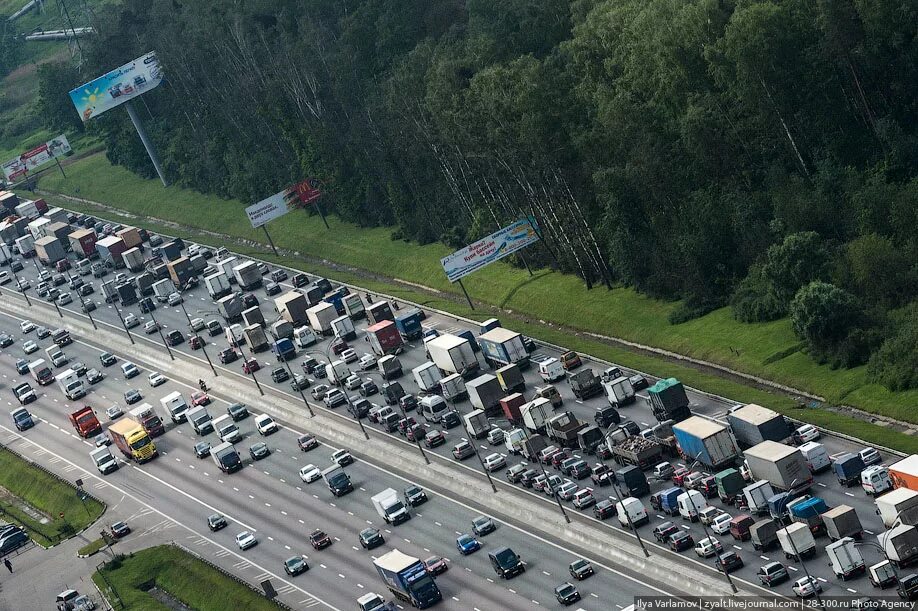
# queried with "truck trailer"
point(783, 466)
point(407, 579)
point(503, 347)
point(706, 441)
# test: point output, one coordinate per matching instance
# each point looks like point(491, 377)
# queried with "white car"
point(131, 320)
point(129, 370)
point(870, 457)
point(114, 412)
point(708, 547)
point(318, 392)
point(342, 458)
point(27, 326)
point(24, 284)
point(265, 424)
point(29, 347)
point(245, 540)
point(806, 586)
point(174, 299)
point(197, 324)
point(721, 524)
point(353, 382)
point(64, 299)
point(349, 355)
point(493, 462)
point(310, 473)
point(156, 378)
point(367, 361)
point(4, 277)
point(566, 490)
point(807, 433)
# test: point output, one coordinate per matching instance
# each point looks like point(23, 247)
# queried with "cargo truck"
point(589, 438)
point(83, 242)
point(708, 442)
point(511, 406)
point(343, 327)
point(253, 316)
point(180, 271)
point(477, 424)
point(848, 468)
point(408, 579)
point(389, 507)
point(797, 541)
point(292, 306)
point(563, 428)
point(808, 510)
point(752, 424)
point(162, 289)
point(619, 391)
point(585, 384)
point(515, 440)
point(763, 534)
point(485, 393)
point(453, 354)
point(103, 460)
point(133, 259)
point(900, 545)
point(283, 349)
point(503, 347)
point(353, 305)
point(60, 231)
point(841, 522)
point(144, 283)
point(226, 457)
point(730, 483)
point(148, 419)
point(200, 420)
point(281, 328)
point(668, 400)
point(409, 325)
point(452, 387)
point(882, 574)
point(230, 308)
point(70, 384)
point(336, 298)
point(427, 376)
point(845, 559)
point(109, 294)
point(218, 285)
point(133, 441)
point(380, 311)
point(511, 379)
point(110, 250)
point(781, 465)
point(26, 246)
point(390, 368)
point(49, 250)
point(226, 266)
point(255, 337)
point(756, 496)
point(40, 371)
point(226, 429)
point(633, 481)
point(337, 480)
point(638, 451)
point(130, 236)
point(899, 505)
point(85, 423)
point(904, 473)
point(384, 338)
point(175, 405)
point(247, 276)
point(127, 294)
point(536, 414)
point(533, 446)
point(320, 317)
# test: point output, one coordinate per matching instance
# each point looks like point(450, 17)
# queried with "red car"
point(200, 398)
point(559, 457)
point(307, 442)
point(405, 423)
point(250, 366)
point(436, 565)
point(679, 475)
point(548, 457)
point(339, 346)
point(195, 342)
point(319, 540)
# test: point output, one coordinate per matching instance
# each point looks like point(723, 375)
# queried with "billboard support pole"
point(321, 214)
point(270, 241)
point(147, 144)
point(59, 166)
point(466, 293)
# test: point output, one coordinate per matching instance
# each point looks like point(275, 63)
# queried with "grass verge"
point(91, 548)
point(47, 494)
point(196, 584)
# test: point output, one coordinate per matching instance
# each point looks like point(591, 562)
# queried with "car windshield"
point(506, 558)
point(141, 443)
point(566, 589)
point(580, 564)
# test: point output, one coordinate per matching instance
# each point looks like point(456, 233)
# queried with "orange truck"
point(85, 422)
point(904, 474)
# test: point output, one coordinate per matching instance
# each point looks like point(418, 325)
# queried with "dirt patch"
point(12, 499)
point(168, 600)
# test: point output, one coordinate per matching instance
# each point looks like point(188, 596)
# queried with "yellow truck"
point(133, 440)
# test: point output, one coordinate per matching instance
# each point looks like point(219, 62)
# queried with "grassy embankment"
point(47, 494)
point(186, 578)
point(766, 350)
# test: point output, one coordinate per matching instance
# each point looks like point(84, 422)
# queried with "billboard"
point(117, 87)
point(279, 204)
point(16, 168)
point(487, 250)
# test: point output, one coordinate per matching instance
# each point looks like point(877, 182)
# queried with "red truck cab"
point(85, 422)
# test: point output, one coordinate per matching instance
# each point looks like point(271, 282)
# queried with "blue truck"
point(848, 468)
point(470, 338)
point(409, 324)
point(408, 579)
point(808, 511)
point(336, 298)
point(668, 500)
point(283, 349)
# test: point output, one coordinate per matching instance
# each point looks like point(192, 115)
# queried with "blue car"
point(467, 544)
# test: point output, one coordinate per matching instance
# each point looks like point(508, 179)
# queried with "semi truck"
point(409, 325)
point(562, 429)
point(133, 441)
point(585, 384)
point(841, 522)
point(503, 347)
point(255, 337)
point(40, 371)
point(752, 424)
point(485, 393)
point(83, 242)
point(708, 442)
point(453, 354)
point(292, 307)
point(226, 457)
point(619, 392)
point(782, 465)
point(384, 338)
point(337, 480)
point(148, 419)
point(408, 579)
point(71, 384)
point(321, 316)
point(85, 423)
point(668, 400)
point(49, 250)
point(389, 507)
point(247, 276)
point(175, 405)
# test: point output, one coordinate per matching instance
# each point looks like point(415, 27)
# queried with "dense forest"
point(756, 153)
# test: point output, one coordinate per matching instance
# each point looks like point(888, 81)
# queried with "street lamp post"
point(704, 528)
point(124, 324)
point(634, 531)
point(545, 475)
point(327, 354)
point(159, 329)
point(203, 343)
point(449, 403)
point(236, 344)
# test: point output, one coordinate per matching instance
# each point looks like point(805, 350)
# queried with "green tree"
point(55, 80)
point(895, 363)
point(799, 259)
point(823, 315)
point(879, 271)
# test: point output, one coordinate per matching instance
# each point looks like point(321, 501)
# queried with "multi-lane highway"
point(265, 496)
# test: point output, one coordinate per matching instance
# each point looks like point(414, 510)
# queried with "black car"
point(249, 300)
point(663, 531)
point(528, 477)
point(631, 427)
point(369, 388)
point(580, 569)
point(279, 374)
point(415, 495)
point(483, 525)
point(319, 539)
point(408, 403)
point(79, 369)
point(370, 538)
point(323, 285)
point(358, 407)
point(681, 540)
point(307, 442)
point(567, 594)
point(216, 522)
point(175, 337)
point(272, 288)
point(299, 382)
point(132, 396)
point(309, 365)
point(300, 280)
point(107, 358)
point(320, 372)
point(228, 355)
point(295, 565)
point(604, 509)
point(85, 290)
point(214, 328)
point(279, 275)
point(259, 450)
point(237, 411)
point(202, 449)
point(5, 340)
point(22, 366)
point(147, 305)
point(450, 419)
point(729, 561)
point(638, 382)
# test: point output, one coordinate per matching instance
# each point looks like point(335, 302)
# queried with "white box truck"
point(619, 391)
point(536, 413)
point(176, 406)
point(321, 316)
point(453, 354)
point(226, 429)
point(845, 558)
point(900, 503)
point(218, 285)
point(476, 423)
point(389, 507)
point(71, 385)
point(797, 541)
point(427, 376)
point(453, 387)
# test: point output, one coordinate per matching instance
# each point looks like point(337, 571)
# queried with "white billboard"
point(487, 250)
point(117, 87)
point(16, 168)
point(279, 204)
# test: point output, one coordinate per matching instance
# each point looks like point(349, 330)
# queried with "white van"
point(304, 337)
point(690, 504)
point(875, 480)
point(433, 407)
point(227, 429)
point(176, 406)
point(551, 370)
point(634, 509)
point(337, 372)
point(816, 456)
point(234, 335)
